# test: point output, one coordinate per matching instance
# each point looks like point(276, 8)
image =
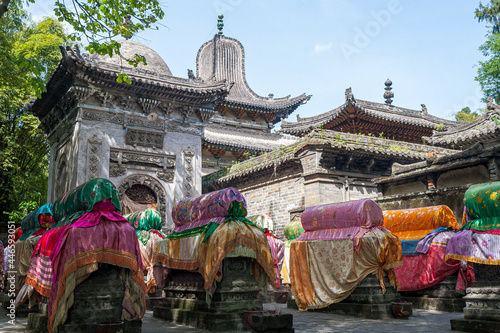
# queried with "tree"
point(491, 14)
point(29, 52)
point(466, 115)
point(488, 73)
point(101, 21)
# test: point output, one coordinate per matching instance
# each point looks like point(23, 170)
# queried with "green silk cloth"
point(293, 230)
point(482, 205)
point(236, 211)
point(73, 204)
point(145, 221)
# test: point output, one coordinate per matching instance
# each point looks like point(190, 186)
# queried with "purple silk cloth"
point(199, 211)
point(363, 213)
point(468, 245)
point(424, 244)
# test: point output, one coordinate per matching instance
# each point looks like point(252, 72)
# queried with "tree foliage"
point(29, 52)
point(466, 115)
point(100, 22)
point(490, 13)
point(488, 73)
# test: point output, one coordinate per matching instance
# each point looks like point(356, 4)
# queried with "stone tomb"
point(185, 299)
point(482, 311)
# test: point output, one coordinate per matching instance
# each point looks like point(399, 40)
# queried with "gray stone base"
point(37, 322)
point(370, 311)
point(474, 326)
point(218, 322)
point(438, 304)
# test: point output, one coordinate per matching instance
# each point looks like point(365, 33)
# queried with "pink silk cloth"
point(425, 270)
point(277, 247)
point(348, 220)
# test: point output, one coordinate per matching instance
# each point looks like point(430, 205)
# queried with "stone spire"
point(388, 95)
point(220, 23)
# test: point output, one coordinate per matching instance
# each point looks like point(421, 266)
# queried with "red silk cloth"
point(422, 271)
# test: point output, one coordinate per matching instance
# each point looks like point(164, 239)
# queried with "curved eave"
point(231, 146)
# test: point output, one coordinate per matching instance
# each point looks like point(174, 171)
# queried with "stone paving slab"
point(310, 321)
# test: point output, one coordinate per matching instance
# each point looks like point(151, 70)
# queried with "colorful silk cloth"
point(211, 207)
point(424, 270)
point(262, 221)
point(210, 227)
point(348, 220)
point(22, 260)
point(92, 232)
point(416, 223)
point(292, 231)
point(324, 272)
point(75, 203)
point(479, 239)
point(147, 225)
point(482, 203)
point(37, 221)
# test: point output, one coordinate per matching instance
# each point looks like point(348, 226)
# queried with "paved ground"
point(421, 321)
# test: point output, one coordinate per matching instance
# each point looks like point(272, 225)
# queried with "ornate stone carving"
point(167, 109)
point(117, 171)
point(136, 137)
point(205, 114)
point(94, 158)
point(150, 182)
point(147, 104)
point(188, 177)
point(103, 117)
point(133, 121)
point(186, 112)
point(167, 176)
point(82, 93)
point(124, 158)
point(103, 98)
point(184, 129)
point(124, 102)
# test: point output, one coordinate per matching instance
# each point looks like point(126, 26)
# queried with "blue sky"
point(428, 49)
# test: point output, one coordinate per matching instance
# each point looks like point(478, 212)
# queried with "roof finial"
point(388, 95)
point(220, 24)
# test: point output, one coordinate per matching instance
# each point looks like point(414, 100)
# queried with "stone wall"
point(451, 197)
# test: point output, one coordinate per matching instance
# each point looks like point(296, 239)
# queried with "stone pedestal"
point(367, 300)
point(482, 311)
point(441, 297)
point(185, 299)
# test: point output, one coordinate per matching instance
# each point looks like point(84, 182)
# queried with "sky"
point(428, 49)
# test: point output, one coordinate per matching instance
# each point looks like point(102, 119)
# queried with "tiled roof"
point(223, 58)
point(244, 139)
point(402, 152)
point(482, 129)
point(385, 112)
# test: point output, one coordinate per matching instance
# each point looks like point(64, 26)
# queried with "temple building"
point(369, 118)
point(444, 180)
point(326, 165)
point(144, 136)
point(243, 122)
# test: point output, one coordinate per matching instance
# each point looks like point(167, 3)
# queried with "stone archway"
point(142, 183)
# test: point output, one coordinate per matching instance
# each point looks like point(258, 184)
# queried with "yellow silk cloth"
point(148, 254)
point(409, 224)
point(327, 272)
point(190, 253)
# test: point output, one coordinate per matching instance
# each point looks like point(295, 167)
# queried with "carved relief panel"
point(94, 158)
point(188, 176)
point(123, 159)
point(137, 137)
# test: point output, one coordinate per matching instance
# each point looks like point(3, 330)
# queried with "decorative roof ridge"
point(245, 84)
point(247, 131)
point(464, 127)
point(274, 104)
point(304, 121)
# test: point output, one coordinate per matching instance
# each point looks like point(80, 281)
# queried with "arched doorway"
point(139, 190)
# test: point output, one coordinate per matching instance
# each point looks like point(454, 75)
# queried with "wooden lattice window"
point(141, 194)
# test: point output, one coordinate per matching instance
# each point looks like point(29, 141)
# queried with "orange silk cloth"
point(324, 272)
point(148, 254)
point(190, 253)
point(411, 224)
